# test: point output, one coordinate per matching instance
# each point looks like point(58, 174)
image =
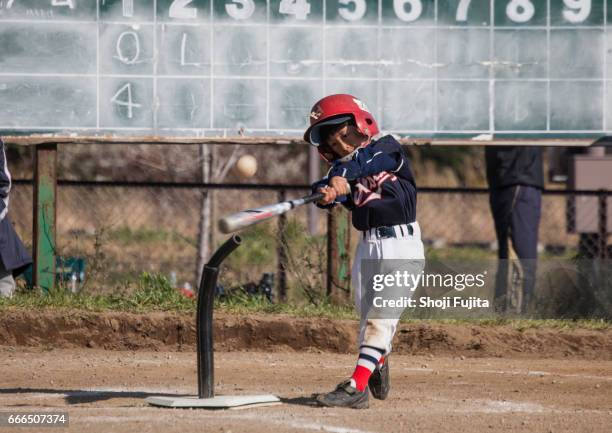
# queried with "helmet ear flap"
point(326, 152)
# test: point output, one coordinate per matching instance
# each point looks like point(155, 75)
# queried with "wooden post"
point(282, 251)
point(314, 174)
point(204, 226)
point(602, 225)
point(338, 255)
point(45, 215)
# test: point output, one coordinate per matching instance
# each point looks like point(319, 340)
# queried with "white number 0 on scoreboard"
point(518, 11)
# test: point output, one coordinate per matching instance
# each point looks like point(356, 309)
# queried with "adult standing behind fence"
point(14, 257)
point(516, 178)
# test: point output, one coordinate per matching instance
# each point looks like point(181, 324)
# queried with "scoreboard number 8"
point(520, 11)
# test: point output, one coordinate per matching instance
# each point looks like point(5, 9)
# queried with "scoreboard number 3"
point(240, 9)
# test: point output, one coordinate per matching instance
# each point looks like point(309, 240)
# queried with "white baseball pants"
point(405, 246)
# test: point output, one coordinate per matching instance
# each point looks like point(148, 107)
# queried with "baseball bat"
point(248, 217)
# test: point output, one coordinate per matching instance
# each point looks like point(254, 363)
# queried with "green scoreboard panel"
point(213, 67)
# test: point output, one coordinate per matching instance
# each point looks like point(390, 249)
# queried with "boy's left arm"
point(371, 160)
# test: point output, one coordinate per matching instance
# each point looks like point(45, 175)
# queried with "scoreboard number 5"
point(354, 15)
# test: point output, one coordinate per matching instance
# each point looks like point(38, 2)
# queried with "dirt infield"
point(99, 367)
point(176, 332)
point(104, 391)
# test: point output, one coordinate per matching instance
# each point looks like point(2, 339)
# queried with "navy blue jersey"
point(383, 191)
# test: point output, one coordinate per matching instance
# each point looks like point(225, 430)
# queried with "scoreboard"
point(431, 68)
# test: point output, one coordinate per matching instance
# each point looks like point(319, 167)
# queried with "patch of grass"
point(258, 248)
point(154, 293)
point(459, 253)
point(241, 303)
point(150, 292)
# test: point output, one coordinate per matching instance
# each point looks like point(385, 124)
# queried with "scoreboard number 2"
point(179, 9)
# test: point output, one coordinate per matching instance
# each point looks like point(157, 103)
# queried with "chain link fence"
point(134, 209)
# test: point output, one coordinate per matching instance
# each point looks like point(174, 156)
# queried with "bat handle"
point(313, 197)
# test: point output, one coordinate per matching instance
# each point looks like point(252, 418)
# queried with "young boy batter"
point(370, 176)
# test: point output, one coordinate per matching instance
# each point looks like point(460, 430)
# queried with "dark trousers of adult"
point(516, 212)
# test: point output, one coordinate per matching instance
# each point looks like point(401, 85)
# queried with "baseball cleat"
point(345, 395)
point(379, 382)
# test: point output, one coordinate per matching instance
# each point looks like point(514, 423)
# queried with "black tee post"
point(204, 317)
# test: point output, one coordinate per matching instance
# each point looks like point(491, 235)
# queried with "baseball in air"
point(246, 166)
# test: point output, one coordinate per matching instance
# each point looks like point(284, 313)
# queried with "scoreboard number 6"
point(416, 8)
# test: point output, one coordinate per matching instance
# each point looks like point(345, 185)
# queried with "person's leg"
point(375, 333)
point(365, 250)
point(346, 393)
point(501, 202)
point(525, 223)
point(408, 253)
point(7, 282)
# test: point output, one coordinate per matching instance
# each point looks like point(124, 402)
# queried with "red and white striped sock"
point(369, 358)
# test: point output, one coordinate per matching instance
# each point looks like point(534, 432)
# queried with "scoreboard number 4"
point(298, 8)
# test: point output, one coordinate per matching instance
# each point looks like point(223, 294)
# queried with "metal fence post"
point(45, 213)
point(603, 224)
point(281, 251)
point(338, 257)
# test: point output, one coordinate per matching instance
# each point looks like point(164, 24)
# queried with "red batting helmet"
point(336, 109)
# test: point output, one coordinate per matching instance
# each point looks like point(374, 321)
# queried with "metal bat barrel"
point(248, 217)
